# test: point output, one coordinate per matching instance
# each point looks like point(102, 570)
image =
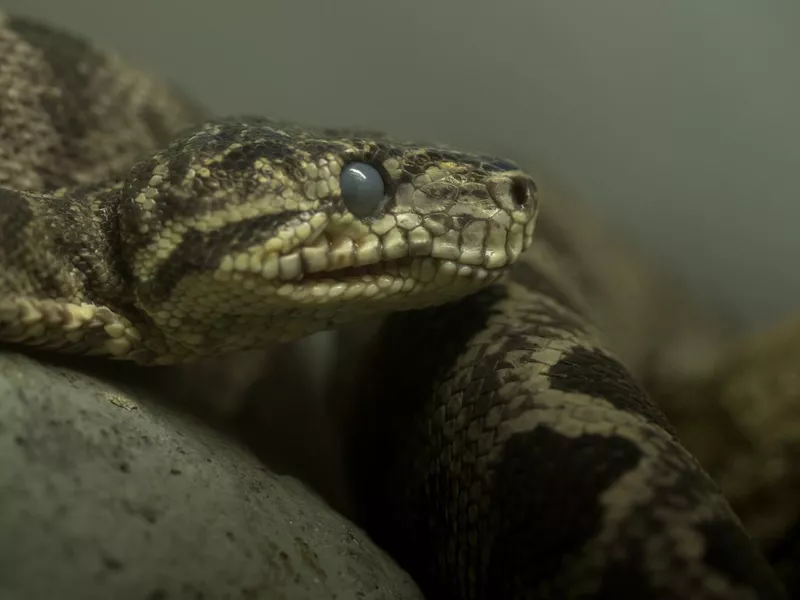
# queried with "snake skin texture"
point(536, 464)
point(503, 442)
point(234, 235)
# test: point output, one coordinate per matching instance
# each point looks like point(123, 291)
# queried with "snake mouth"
point(423, 269)
point(334, 253)
point(402, 277)
point(347, 260)
point(333, 263)
point(292, 272)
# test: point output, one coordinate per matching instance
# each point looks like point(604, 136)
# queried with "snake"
point(532, 412)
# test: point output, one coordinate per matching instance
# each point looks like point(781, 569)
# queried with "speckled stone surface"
point(106, 494)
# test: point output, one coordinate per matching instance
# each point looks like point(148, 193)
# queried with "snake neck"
point(63, 245)
point(63, 283)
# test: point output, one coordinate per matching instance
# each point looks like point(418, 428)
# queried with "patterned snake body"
point(504, 446)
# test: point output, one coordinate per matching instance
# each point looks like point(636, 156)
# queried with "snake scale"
point(505, 440)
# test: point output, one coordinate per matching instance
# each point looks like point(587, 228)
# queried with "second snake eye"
point(363, 189)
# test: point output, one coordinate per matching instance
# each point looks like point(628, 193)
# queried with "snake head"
point(248, 230)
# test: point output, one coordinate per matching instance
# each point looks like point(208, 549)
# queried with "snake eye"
point(363, 189)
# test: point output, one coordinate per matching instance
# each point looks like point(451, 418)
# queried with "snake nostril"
point(522, 190)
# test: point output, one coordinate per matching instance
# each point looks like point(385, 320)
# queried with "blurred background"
point(677, 121)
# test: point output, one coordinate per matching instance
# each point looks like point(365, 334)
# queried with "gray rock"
point(105, 493)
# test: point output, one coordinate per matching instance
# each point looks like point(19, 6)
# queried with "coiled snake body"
point(504, 446)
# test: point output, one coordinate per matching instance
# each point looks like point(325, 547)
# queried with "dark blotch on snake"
point(593, 373)
point(203, 251)
point(556, 483)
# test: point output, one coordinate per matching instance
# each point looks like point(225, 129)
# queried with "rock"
point(105, 493)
